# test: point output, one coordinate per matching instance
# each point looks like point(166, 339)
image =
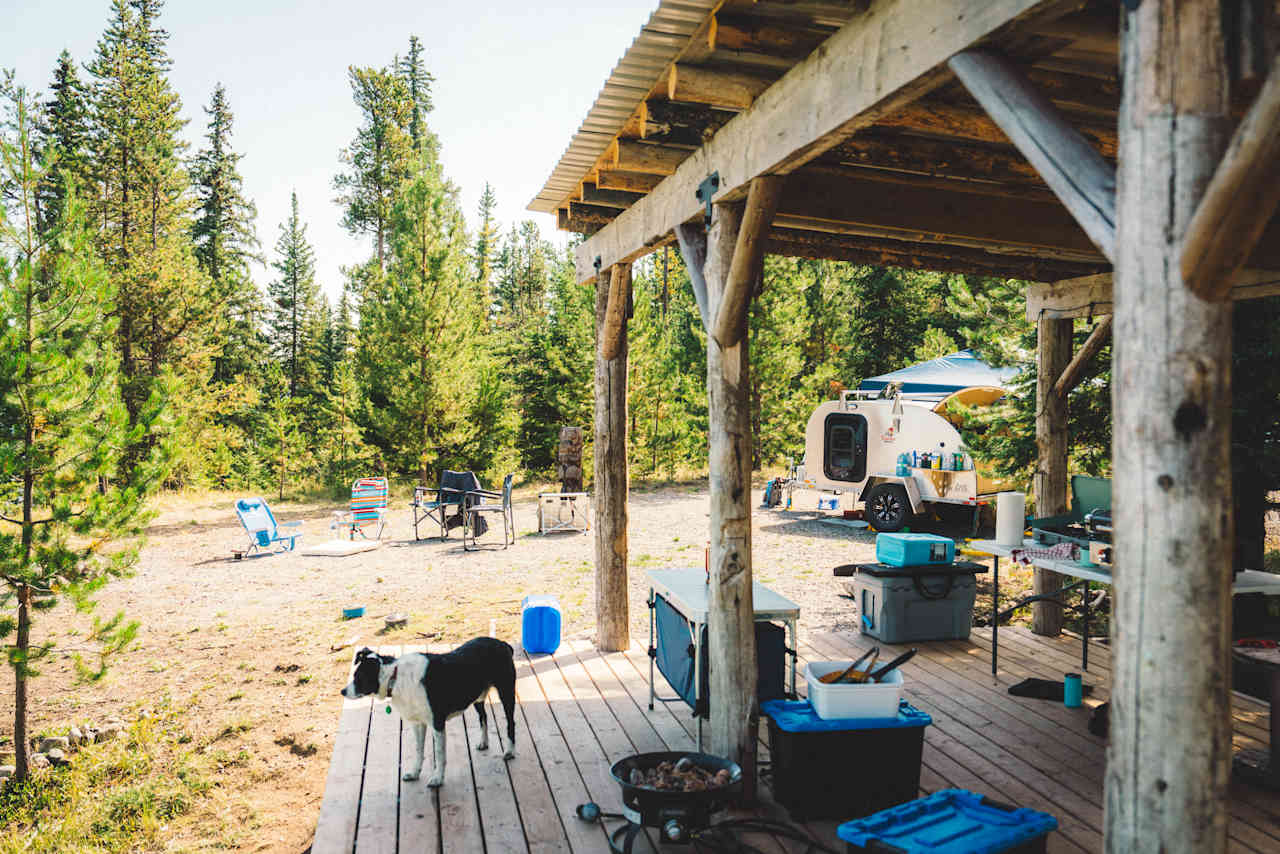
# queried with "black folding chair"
point(436, 504)
point(475, 508)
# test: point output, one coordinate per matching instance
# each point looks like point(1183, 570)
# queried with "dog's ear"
point(364, 654)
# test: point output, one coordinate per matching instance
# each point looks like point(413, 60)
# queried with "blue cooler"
point(914, 549)
point(838, 769)
point(540, 623)
point(952, 821)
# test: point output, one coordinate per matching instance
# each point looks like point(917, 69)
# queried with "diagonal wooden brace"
point(748, 258)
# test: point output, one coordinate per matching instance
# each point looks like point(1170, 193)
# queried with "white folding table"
point(688, 592)
point(1246, 581)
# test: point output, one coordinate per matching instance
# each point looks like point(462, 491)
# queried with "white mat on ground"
point(845, 523)
point(340, 548)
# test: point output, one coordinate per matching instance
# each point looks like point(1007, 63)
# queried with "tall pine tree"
point(293, 301)
point(66, 425)
point(226, 241)
point(486, 246)
point(64, 136)
point(412, 69)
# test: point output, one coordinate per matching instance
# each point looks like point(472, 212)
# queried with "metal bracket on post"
point(598, 263)
point(705, 191)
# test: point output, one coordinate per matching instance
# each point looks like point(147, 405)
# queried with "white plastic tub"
point(868, 700)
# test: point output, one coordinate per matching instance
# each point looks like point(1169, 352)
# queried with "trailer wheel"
point(887, 507)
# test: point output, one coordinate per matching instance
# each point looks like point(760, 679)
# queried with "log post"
point(1053, 354)
point(1168, 761)
point(731, 627)
point(612, 632)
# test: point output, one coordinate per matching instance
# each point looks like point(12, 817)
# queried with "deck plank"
point(503, 829)
point(555, 759)
point(336, 827)
point(378, 830)
point(419, 804)
point(461, 823)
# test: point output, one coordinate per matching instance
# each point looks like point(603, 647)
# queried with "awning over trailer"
point(943, 376)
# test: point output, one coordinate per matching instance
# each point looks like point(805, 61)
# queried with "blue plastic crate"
point(953, 821)
point(914, 549)
point(540, 623)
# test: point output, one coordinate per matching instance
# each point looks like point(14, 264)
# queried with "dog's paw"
point(510, 754)
point(410, 776)
point(436, 781)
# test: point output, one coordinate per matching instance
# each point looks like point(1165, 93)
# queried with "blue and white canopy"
point(943, 376)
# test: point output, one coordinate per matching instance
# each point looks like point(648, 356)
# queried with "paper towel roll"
point(1011, 511)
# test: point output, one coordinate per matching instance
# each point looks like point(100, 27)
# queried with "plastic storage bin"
point(914, 549)
point(868, 700)
point(952, 821)
point(908, 604)
point(540, 623)
point(841, 769)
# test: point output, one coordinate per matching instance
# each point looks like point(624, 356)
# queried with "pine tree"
point(226, 241)
point(419, 357)
point(778, 404)
point(64, 135)
point(523, 269)
point(293, 300)
point(486, 237)
point(417, 80)
point(67, 423)
point(379, 158)
point(164, 302)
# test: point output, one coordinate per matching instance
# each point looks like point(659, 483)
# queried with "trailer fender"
point(908, 484)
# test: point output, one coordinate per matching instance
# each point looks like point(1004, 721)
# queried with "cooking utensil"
point(897, 662)
point(832, 677)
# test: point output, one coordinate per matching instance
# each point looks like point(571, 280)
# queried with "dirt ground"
point(244, 648)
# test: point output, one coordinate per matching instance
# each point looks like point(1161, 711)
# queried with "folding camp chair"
point(368, 508)
point(435, 504)
point(472, 524)
point(261, 526)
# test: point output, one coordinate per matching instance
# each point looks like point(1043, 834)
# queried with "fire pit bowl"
point(674, 813)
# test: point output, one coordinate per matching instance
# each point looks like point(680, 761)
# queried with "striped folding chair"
point(368, 508)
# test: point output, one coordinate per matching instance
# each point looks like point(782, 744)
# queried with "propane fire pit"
point(673, 791)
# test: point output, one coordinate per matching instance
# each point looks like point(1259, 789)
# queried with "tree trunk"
point(1053, 354)
point(612, 626)
point(731, 628)
point(23, 645)
point(1170, 751)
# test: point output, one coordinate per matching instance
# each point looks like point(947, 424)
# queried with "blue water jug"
point(540, 623)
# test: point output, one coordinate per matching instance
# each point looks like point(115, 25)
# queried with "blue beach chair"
point(260, 524)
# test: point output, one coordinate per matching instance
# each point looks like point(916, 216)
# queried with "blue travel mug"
point(1072, 691)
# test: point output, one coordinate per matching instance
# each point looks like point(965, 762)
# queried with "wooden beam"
point(1053, 352)
point(848, 85)
point(748, 259)
point(1092, 28)
point(632, 156)
point(943, 119)
point(1072, 168)
point(1239, 201)
point(632, 182)
point(725, 90)
point(596, 215)
point(1169, 757)
point(1074, 372)
point(615, 315)
point(1091, 296)
point(731, 619)
point(673, 123)
point(943, 158)
point(592, 194)
point(744, 33)
point(693, 249)
point(611, 476)
point(881, 252)
point(963, 215)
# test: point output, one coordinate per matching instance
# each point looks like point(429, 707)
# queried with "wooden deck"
point(579, 711)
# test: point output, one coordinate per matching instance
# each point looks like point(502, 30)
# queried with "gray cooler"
point(902, 604)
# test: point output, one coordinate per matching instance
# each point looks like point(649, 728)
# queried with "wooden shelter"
point(1123, 153)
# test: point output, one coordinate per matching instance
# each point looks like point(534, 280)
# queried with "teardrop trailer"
point(873, 444)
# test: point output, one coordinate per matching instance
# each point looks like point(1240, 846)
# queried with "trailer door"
point(845, 447)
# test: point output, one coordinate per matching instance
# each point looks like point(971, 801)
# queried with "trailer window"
point(846, 448)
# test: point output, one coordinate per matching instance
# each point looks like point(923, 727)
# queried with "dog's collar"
point(391, 680)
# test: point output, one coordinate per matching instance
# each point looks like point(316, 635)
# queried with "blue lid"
point(543, 600)
point(799, 716)
point(953, 821)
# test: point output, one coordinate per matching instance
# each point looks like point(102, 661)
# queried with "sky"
point(513, 81)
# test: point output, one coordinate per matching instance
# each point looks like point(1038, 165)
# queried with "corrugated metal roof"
point(638, 71)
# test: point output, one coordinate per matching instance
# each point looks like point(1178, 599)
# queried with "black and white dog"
point(429, 688)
